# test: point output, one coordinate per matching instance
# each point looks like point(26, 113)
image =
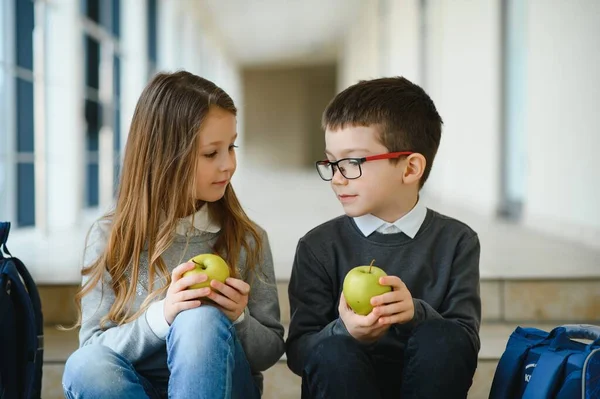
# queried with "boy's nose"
point(338, 178)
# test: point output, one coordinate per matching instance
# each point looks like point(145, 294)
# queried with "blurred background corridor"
point(516, 83)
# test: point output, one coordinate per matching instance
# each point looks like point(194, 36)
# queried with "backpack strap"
point(4, 230)
point(545, 376)
point(36, 305)
point(522, 340)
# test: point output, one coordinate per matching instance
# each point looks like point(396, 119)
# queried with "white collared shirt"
point(200, 220)
point(409, 224)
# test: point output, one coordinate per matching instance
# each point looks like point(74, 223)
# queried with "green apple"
point(210, 264)
point(360, 285)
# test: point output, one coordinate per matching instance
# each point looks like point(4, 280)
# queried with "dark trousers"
point(439, 362)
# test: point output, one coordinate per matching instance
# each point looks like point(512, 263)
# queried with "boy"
point(421, 339)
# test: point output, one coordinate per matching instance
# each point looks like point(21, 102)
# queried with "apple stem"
point(371, 265)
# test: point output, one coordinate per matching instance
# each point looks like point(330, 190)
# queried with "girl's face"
point(216, 161)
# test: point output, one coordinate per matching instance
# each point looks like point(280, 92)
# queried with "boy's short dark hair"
point(406, 116)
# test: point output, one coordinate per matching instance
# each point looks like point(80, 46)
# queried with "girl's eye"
point(232, 147)
point(211, 155)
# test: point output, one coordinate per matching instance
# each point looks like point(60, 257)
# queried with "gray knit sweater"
point(142, 341)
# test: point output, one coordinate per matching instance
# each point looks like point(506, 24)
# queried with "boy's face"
point(381, 189)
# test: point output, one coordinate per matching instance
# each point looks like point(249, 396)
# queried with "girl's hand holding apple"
point(231, 297)
point(179, 297)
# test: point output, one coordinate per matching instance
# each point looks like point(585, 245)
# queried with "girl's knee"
point(202, 318)
point(198, 336)
point(195, 328)
point(89, 366)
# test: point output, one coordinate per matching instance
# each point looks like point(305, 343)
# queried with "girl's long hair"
point(158, 167)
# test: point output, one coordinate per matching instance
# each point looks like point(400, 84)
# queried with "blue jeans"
point(205, 360)
point(439, 361)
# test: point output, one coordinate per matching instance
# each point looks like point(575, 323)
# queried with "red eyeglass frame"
point(389, 155)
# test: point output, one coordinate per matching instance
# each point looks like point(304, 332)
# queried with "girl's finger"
point(185, 305)
point(226, 290)
point(240, 285)
point(225, 302)
point(179, 270)
point(187, 281)
point(187, 295)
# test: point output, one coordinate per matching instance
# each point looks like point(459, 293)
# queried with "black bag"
point(21, 328)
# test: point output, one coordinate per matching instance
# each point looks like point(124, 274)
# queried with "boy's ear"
point(414, 168)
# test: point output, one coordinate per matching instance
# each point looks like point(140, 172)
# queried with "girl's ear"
point(414, 168)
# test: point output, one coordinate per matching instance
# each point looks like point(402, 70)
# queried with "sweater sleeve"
point(135, 340)
point(462, 302)
point(313, 308)
point(260, 331)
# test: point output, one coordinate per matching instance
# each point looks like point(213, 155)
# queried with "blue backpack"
point(21, 328)
point(538, 365)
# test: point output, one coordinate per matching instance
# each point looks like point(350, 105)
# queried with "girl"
point(143, 333)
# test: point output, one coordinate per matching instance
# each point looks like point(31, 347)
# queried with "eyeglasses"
point(350, 168)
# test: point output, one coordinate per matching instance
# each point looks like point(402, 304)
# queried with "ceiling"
point(268, 32)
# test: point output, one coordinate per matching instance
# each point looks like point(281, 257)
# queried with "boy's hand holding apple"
point(372, 301)
point(362, 328)
point(395, 307)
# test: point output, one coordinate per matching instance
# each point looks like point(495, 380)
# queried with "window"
point(4, 144)
point(117, 120)
point(513, 192)
point(152, 37)
point(24, 145)
point(102, 94)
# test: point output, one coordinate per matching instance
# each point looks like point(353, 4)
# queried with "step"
point(58, 303)
point(280, 382)
point(503, 300)
point(523, 300)
point(60, 344)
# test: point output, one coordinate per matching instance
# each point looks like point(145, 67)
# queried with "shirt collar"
point(201, 221)
point(409, 224)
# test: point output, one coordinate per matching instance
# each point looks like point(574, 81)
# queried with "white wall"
point(563, 99)
point(65, 124)
point(461, 75)
point(463, 80)
point(188, 40)
point(359, 57)
point(134, 60)
point(401, 38)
